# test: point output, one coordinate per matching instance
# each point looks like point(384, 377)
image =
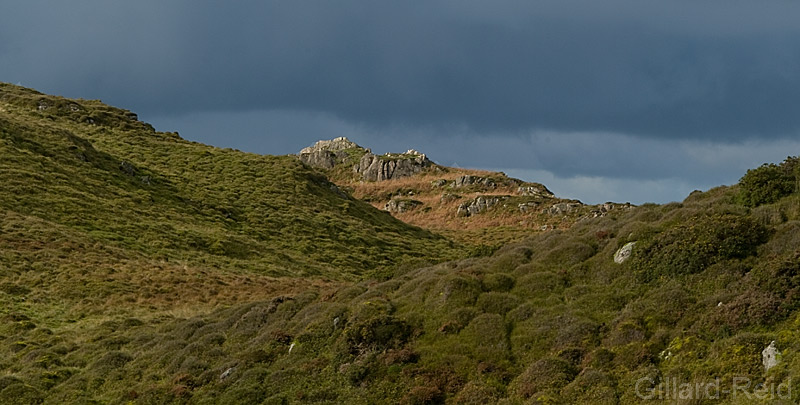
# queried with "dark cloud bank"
point(661, 96)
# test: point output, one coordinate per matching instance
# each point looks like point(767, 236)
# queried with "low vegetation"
point(92, 315)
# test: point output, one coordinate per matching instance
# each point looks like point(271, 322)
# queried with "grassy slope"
point(102, 217)
point(186, 200)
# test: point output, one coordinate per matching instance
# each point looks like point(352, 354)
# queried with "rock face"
point(624, 253)
point(535, 191)
point(399, 205)
point(391, 166)
point(478, 205)
point(770, 356)
point(327, 154)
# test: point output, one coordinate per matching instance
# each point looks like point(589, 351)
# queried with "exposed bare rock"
point(562, 208)
point(528, 206)
point(770, 356)
point(468, 180)
point(535, 191)
point(327, 154)
point(602, 210)
point(624, 253)
point(391, 166)
point(333, 145)
point(478, 205)
point(128, 168)
point(401, 205)
point(449, 197)
point(439, 183)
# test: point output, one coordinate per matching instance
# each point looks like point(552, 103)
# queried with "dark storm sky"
point(614, 100)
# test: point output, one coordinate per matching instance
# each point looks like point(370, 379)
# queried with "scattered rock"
point(603, 209)
point(401, 205)
point(227, 373)
point(439, 183)
point(770, 356)
point(527, 206)
point(391, 166)
point(338, 191)
point(468, 180)
point(127, 168)
point(535, 191)
point(449, 197)
point(478, 205)
point(624, 253)
point(562, 208)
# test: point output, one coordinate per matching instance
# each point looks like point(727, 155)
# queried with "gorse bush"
point(769, 182)
point(691, 246)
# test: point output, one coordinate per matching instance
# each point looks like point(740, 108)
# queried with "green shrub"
point(497, 302)
point(477, 393)
point(591, 387)
point(539, 285)
point(691, 246)
point(456, 291)
point(487, 335)
point(498, 282)
point(544, 374)
point(768, 183)
point(378, 333)
point(20, 394)
point(111, 361)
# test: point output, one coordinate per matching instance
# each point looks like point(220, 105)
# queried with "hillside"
point(471, 206)
point(102, 216)
point(137, 267)
point(98, 171)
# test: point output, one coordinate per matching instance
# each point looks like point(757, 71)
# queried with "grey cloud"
point(686, 70)
point(652, 94)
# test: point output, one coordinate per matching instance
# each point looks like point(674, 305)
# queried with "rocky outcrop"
point(602, 210)
point(327, 154)
point(535, 191)
point(468, 180)
point(391, 166)
point(624, 253)
point(562, 208)
point(398, 205)
point(527, 206)
point(478, 205)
